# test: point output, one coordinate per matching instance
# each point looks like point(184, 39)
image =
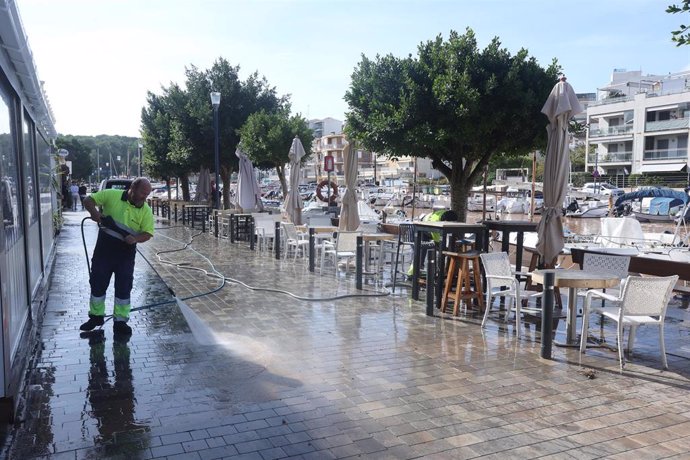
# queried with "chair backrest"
point(347, 241)
point(267, 222)
point(496, 264)
point(290, 231)
point(647, 295)
point(406, 233)
point(606, 263)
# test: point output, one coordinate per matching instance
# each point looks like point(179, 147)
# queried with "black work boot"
point(94, 320)
point(120, 328)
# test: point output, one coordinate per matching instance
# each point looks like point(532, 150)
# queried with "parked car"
point(602, 188)
point(122, 184)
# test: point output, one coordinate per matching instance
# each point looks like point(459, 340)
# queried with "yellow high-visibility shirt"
point(115, 204)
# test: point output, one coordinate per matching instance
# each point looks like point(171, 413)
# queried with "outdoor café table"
point(313, 231)
point(573, 280)
point(507, 227)
point(446, 229)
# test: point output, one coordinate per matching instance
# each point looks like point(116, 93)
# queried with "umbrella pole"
point(414, 189)
point(486, 170)
point(534, 179)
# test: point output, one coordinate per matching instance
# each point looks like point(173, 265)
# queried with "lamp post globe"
point(215, 101)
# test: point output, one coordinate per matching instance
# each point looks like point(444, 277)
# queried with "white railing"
point(611, 131)
point(667, 125)
point(665, 154)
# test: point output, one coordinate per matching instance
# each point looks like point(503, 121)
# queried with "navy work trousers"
point(112, 256)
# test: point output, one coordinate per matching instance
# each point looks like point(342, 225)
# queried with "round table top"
point(577, 278)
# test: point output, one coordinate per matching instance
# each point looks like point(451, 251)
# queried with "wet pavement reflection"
point(359, 377)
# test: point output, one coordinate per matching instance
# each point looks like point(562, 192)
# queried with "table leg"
point(439, 272)
point(570, 321)
point(312, 252)
point(416, 267)
point(518, 250)
point(571, 318)
point(358, 263)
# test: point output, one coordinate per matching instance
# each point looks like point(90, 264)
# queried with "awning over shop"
point(669, 167)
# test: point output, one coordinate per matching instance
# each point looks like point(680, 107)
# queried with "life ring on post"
point(324, 185)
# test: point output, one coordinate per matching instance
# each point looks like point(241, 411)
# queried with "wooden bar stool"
point(464, 266)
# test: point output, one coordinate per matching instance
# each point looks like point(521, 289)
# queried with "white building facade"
point(640, 125)
point(329, 139)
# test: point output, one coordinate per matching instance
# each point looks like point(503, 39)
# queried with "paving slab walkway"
point(360, 377)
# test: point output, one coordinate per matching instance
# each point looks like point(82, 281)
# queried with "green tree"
point(266, 138)
point(682, 35)
point(454, 104)
point(79, 155)
point(578, 157)
point(164, 155)
point(239, 99)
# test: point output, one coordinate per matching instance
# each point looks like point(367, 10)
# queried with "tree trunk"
point(225, 175)
point(281, 176)
point(459, 191)
point(184, 179)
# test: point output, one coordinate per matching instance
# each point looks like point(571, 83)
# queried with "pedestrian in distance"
point(74, 191)
point(125, 220)
point(82, 194)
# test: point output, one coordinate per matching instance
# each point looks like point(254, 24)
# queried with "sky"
point(99, 58)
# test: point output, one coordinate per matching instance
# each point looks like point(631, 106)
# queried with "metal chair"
point(501, 281)
point(405, 242)
point(643, 300)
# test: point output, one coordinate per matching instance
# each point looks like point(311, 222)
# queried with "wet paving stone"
point(298, 376)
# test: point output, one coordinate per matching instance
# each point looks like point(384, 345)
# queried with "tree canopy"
point(682, 35)
point(177, 126)
point(453, 103)
point(79, 155)
point(267, 137)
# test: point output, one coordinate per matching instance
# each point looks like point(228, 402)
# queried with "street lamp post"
point(215, 101)
point(139, 159)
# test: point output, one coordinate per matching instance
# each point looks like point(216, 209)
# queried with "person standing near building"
point(82, 194)
point(125, 220)
point(74, 191)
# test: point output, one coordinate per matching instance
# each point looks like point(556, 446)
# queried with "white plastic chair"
point(642, 301)
point(501, 281)
point(294, 240)
point(265, 229)
point(345, 248)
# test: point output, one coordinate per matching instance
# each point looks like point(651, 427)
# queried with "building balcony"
point(611, 131)
point(665, 154)
point(333, 146)
point(617, 157)
point(667, 125)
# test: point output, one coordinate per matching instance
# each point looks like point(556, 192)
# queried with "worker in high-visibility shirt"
point(125, 220)
point(441, 215)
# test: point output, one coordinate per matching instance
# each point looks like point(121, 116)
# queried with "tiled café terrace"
point(362, 377)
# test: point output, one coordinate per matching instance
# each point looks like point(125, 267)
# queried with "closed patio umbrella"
point(293, 202)
point(248, 192)
point(560, 107)
point(203, 186)
point(349, 214)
